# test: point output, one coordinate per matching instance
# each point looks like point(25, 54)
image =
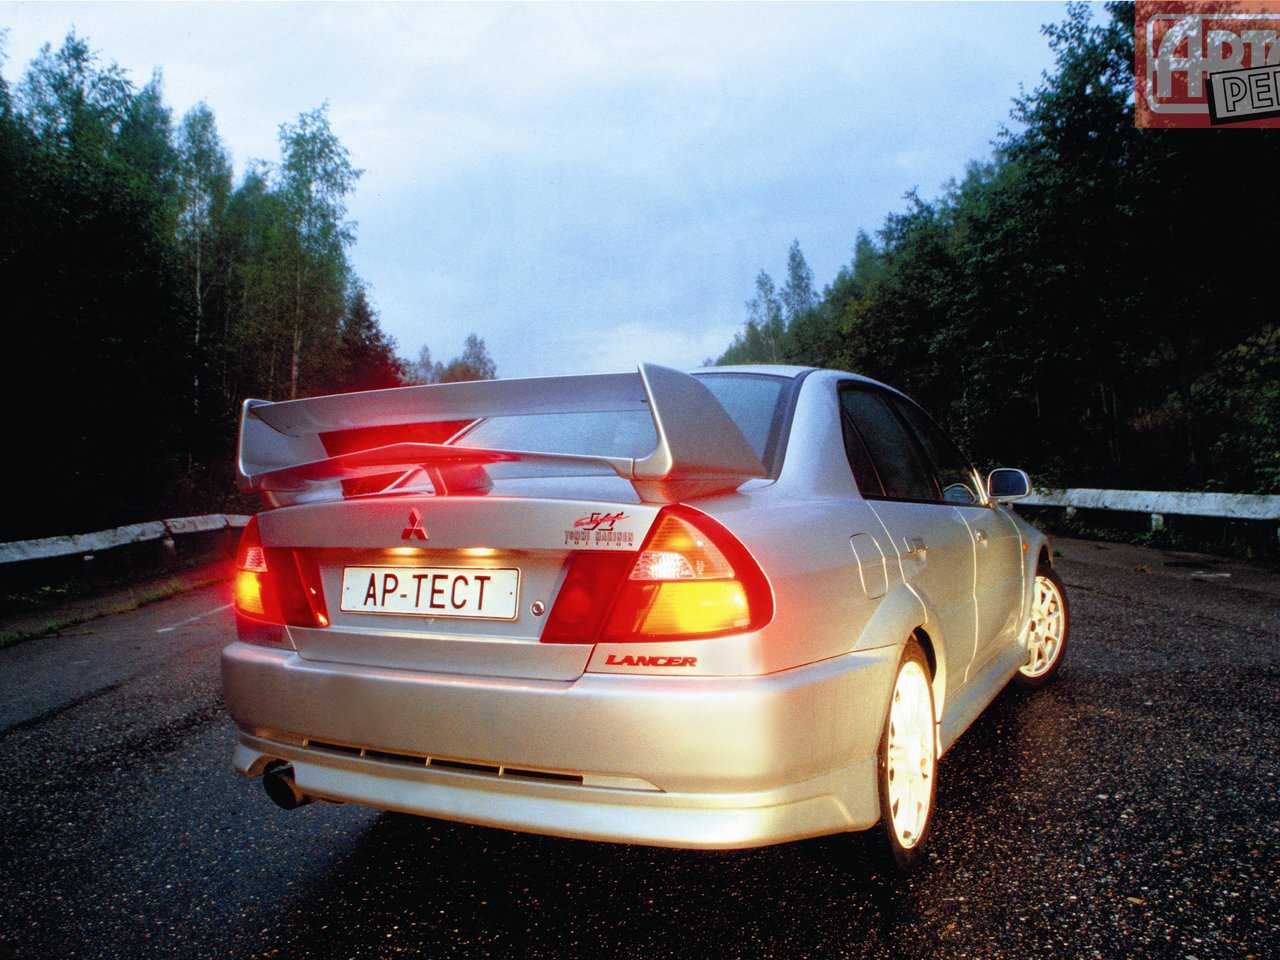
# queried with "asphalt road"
point(1128, 811)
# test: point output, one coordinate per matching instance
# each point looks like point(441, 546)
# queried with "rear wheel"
point(1047, 642)
point(908, 762)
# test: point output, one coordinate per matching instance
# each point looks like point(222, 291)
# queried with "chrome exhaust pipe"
point(281, 788)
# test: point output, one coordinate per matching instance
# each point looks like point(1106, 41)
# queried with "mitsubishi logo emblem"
point(414, 529)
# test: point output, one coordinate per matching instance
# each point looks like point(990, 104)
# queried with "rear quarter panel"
point(800, 529)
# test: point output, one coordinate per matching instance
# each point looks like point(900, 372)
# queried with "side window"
point(897, 460)
point(955, 475)
point(864, 471)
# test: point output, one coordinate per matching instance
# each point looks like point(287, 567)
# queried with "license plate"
point(468, 592)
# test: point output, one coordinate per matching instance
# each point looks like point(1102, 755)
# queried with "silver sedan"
point(727, 609)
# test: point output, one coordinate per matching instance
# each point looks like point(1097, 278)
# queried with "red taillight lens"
point(691, 580)
point(277, 586)
point(586, 596)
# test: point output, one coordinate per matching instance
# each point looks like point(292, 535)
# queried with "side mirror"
point(1006, 484)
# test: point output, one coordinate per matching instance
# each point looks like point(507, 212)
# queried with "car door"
point(935, 547)
point(998, 574)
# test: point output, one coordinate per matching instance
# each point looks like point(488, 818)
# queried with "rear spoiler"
point(700, 450)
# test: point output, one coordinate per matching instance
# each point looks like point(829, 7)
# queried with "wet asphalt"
point(1130, 810)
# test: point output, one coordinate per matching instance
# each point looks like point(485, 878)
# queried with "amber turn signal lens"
point(694, 607)
point(249, 593)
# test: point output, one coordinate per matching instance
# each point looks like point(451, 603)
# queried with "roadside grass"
point(34, 625)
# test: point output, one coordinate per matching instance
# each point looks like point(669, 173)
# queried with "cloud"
point(589, 180)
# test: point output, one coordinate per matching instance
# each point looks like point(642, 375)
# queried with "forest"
point(1095, 304)
point(150, 293)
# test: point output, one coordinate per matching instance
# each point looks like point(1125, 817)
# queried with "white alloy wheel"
point(910, 756)
point(1047, 633)
point(908, 763)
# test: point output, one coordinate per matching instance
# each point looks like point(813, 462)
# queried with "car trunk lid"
point(457, 584)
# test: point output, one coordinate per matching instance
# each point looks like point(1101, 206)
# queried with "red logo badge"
point(414, 529)
point(599, 521)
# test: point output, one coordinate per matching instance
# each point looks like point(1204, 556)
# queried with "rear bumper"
point(675, 761)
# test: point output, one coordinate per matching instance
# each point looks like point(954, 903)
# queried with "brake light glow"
point(275, 585)
point(692, 579)
point(251, 574)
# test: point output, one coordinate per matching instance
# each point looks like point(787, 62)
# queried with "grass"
point(105, 606)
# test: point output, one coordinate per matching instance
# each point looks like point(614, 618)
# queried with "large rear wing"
point(700, 450)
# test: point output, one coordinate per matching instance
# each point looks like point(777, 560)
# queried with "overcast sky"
point(588, 186)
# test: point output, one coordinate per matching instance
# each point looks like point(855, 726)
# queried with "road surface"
point(1128, 811)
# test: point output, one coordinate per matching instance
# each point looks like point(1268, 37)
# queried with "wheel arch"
point(903, 615)
point(935, 660)
point(898, 614)
point(926, 644)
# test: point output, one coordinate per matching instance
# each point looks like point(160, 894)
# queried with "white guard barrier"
point(90, 543)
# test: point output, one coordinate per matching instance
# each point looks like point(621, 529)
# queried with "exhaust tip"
point(281, 788)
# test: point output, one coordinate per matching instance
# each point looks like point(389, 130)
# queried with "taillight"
point(251, 575)
point(692, 579)
point(276, 585)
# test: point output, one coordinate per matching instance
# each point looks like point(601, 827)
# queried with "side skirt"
point(975, 695)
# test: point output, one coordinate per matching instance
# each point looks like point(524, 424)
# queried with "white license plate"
point(469, 592)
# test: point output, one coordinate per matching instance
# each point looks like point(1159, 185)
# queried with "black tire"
point(1046, 609)
point(901, 842)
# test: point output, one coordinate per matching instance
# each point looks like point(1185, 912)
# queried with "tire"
point(908, 763)
point(1049, 629)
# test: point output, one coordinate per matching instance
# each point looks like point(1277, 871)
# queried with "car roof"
point(771, 369)
point(794, 372)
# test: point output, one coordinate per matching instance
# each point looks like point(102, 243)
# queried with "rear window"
point(753, 402)
point(608, 433)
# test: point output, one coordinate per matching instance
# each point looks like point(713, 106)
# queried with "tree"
point(791, 325)
point(146, 146)
point(368, 354)
point(1045, 306)
point(473, 364)
point(766, 322)
point(797, 295)
point(315, 177)
point(424, 370)
point(204, 189)
point(761, 338)
point(260, 269)
point(866, 264)
point(88, 248)
point(154, 297)
point(1107, 209)
point(69, 100)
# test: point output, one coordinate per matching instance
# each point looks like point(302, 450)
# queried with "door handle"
point(915, 546)
point(980, 536)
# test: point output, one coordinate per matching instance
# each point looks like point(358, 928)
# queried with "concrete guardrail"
point(90, 543)
point(1158, 504)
